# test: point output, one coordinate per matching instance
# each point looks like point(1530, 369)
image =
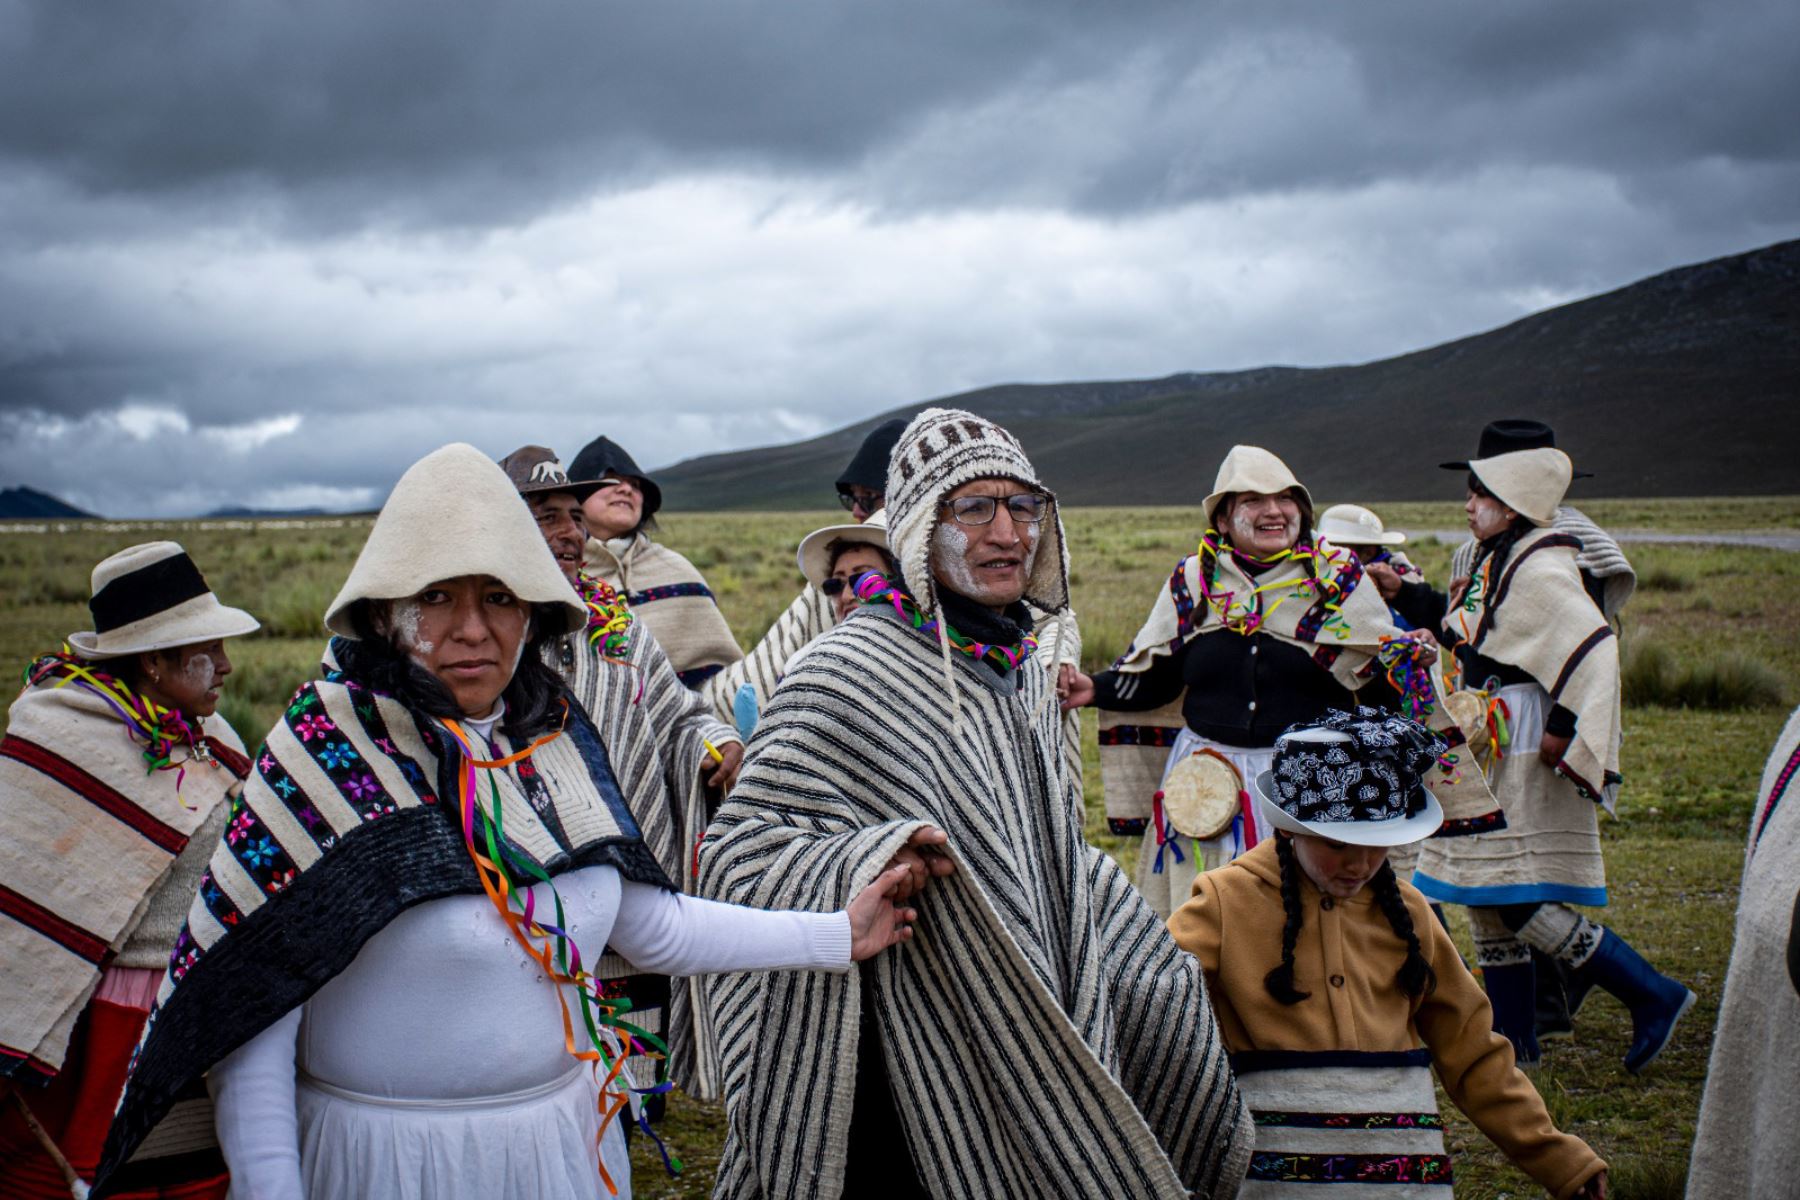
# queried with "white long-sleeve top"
point(379, 1028)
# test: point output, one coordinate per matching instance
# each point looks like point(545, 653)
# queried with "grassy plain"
point(1675, 850)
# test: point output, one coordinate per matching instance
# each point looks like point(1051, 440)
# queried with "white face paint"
point(403, 621)
point(197, 673)
point(950, 559)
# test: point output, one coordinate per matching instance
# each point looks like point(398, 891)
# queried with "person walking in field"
point(1337, 993)
point(673, 759)
point(1524, 630)
point(115, 776)
point(666, 591)
point(1265, 625)
point(1744, 1145)
point(1041, 1035)
point(386, 976)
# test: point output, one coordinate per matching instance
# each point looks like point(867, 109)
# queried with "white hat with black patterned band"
point(153, 597)
point(1356, 778)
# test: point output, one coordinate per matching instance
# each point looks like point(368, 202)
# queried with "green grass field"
point(1711, 626)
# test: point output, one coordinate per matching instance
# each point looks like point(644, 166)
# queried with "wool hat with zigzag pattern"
point(942, 449)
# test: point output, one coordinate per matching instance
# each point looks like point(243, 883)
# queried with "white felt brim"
point(1344, 535)
point(815, 562)
point(200, 619)
point(1399, 831)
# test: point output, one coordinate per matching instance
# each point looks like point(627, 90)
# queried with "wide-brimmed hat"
point(153, 597)
point(1354, 525)
point(455, 513)
point(870, 466)
point(1356, 778)
point(603, 455)
point(535, 471)
point(814, 555)
point(1507, 435)
point(1251, 469)
point(1530, 482)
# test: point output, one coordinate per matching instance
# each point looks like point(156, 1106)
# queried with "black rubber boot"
point(1554, 1020)
point(1510, 991)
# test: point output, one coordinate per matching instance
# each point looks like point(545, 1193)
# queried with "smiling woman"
point(416, 806)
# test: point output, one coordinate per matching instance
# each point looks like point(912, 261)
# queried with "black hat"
point(603, 455)
point(535, 471)
point(870, 466)
point(1509, 434)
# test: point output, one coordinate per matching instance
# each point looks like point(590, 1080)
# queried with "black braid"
point(1280, 981)
point(1415, 976)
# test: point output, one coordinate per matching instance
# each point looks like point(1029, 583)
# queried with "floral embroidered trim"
point(1275, 1167)
point(873, 588)
point(1320, 1120)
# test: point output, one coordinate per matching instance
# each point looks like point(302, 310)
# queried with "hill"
point(28, 504)
point(1683, 384)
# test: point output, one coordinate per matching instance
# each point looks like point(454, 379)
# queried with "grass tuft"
point(1723, 681)
point(1638, 1177)
point(1659, 577)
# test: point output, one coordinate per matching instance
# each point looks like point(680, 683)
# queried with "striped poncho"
point(810, 615)
point(671, 598)
point(1044, 1035)
point(655, 732)
point(349, 818)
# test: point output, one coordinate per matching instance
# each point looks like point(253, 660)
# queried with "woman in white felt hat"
point(1337, 993)
point(1524, 629)
point(380, 975)
point(1263, 626)
point(114, 774)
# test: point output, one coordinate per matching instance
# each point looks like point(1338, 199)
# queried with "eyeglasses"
point(1026, 508)
point(869, 500)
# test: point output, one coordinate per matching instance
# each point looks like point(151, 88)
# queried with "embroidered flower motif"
point(385, 746)
point(287, 787)
point(337, 756)
point(239, 828)
point(279, 882)
point(362, 787)
point(313, 725)
point(309, 816)
point(259, 853)
point(266, 763)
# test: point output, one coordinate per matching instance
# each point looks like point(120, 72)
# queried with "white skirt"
point(1166, 869)
point(537, 1144)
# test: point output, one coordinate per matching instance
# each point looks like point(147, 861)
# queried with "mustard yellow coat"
point(1347, 957)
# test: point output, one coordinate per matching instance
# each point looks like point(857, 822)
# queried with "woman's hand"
point(1552, 749)
point(1593, 1189)
point(877, 920)
point(724, 773)
point(1075, 689)
point(1426, 652)
point(1387, 580)
point(922, 860)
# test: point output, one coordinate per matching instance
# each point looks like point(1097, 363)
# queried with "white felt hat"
point(153, 597)
point(814, 554)
point(1530, 482)
point(1251, 469)
point(455, 513)
point(1354, 525)
point(1393, 831)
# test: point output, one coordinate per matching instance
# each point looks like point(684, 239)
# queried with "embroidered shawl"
point(1043, 1033)
point(1340, 623)
point(349, 817)
point(655, 733)
point(91, 835)
point(1536, 615)
point(671, 598)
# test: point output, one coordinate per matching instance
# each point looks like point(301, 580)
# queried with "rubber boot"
point(1511, 991)
point(1554, 1020)
point(1656, 1001)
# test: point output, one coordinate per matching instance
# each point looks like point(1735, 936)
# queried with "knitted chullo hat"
point(456, 513)
point(940, 451)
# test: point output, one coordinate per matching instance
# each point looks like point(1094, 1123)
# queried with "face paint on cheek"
point(950, 557)
point(406, 616)
point(1243, 526)
point(197, 674)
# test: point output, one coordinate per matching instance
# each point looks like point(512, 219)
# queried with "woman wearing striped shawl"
point(387, 971)
point(114, 774)
point(1042, 1035)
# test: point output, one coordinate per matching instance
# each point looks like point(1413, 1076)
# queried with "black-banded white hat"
point(153, 597)
point(1356, 778)
point(814, 555)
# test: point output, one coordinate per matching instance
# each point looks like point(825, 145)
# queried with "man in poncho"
point(1042, 1035)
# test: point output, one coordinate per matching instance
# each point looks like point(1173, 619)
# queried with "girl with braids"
point(1263, 626)
point(1338, 991)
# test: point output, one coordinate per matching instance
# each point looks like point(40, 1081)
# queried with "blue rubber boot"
point(1656, 1001)
point(1512, 990)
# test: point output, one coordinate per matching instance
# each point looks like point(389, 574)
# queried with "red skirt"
point(76, 1109)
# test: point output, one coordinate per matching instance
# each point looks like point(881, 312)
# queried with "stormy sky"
point(269, 253)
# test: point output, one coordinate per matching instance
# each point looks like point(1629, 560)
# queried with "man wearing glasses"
point(1042, 1035)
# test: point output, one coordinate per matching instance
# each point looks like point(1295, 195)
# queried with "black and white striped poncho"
point(1043, 1033)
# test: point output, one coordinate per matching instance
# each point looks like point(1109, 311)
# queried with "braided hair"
point(1415, 976)
point(1280, 981)
point(1500, 546)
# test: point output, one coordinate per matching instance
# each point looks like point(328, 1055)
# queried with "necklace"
point(874, 588)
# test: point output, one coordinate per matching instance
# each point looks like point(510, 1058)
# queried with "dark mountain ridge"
point(1682, 384)
point(29, 504)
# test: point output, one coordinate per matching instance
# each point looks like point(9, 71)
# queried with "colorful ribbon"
point(608, 624)
point(160, 729)
point(873, 588)
point(1250, 614)
point(507, 876)
point(1409, 675)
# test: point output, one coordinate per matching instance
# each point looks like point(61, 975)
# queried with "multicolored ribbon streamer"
point(507, 878)
point(1409, 675)
point(608, 623)
point(873, 588)
point(1250, 614)
point(161, 730)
